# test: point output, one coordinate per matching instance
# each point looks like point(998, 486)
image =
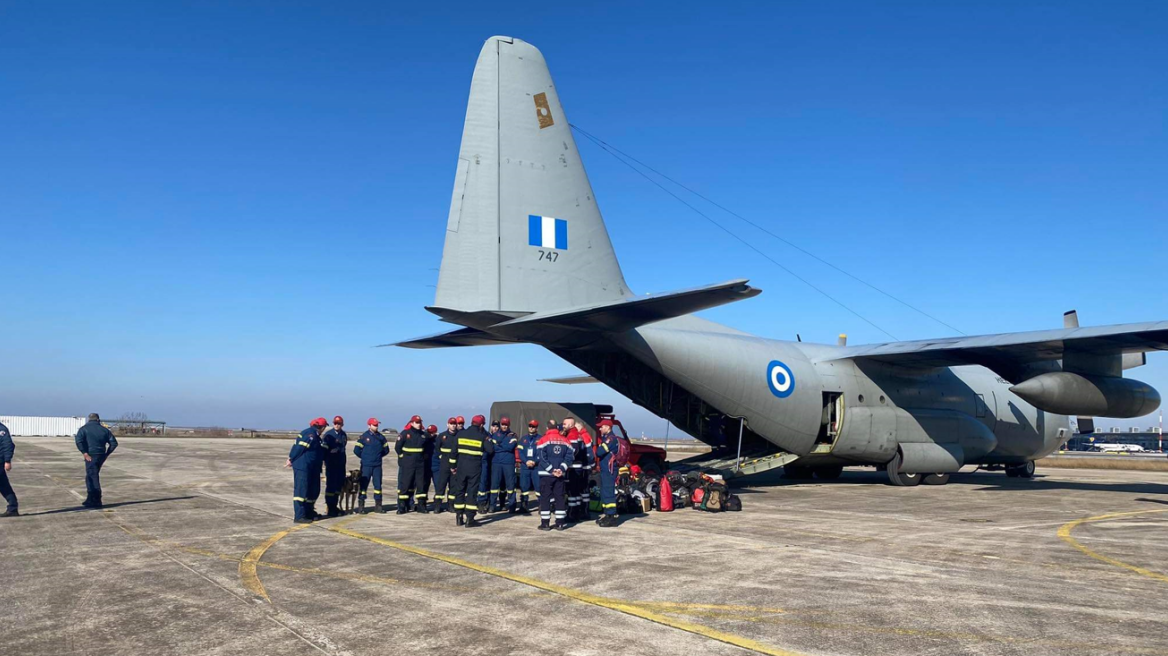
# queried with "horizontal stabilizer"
point(628, 313)
point(460, 337)
point(570, 380)
point(1012, 355)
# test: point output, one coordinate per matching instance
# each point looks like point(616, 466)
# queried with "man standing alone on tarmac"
point(305, 459)
point(96, 443)
point(335, 442)
point(7, 450)
point(411, 449)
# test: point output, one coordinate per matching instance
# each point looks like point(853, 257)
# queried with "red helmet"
point(415, 419)
point(319, 421)
point(373, 421)
point(534, 423)
point(478, 420)
point(339, 420)
point(452, 420)
point(460, 419)
point(605, 422)
point(432, 429)
point(505, 421)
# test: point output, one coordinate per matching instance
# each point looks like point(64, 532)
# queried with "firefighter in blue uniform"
point(503, 467)
point(468, 448)
point(484, 497)
point(336, 441)
point(305, 459)
point(440, 465)
point(7, 450)
point(525, 459)
point(371, 448)
point(606, 451)
point(96, 443)
point(428, 452)
point(411, 451)
point(554, 455)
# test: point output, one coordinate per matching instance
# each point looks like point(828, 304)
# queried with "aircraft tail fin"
point(524, 233)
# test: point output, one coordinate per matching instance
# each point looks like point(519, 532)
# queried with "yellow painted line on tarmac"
point(1065, 530)
point(247, 567)
point(627, 607)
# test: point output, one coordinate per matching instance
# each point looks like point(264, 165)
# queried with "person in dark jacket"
point(554, 456)
point(305, 459)
point(505, 443)
point(411, 452)
point(606, 451)
point(335, 441)
point(468, 449)
point(528, 477)
point(440, 463)
point(427, 463)
point(7, 450)
point(371, 448)
point(96, 443)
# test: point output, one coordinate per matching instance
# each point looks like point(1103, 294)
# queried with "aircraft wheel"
point(1026, 471)
point(796, 472)
point(899, 478)
point(829, 473)
point(935, 479)
point(1011, 471)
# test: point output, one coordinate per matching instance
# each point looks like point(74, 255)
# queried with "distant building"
point(42, 426)
point(1149, 440)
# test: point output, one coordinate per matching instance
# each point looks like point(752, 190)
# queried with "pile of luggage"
point(639, 492)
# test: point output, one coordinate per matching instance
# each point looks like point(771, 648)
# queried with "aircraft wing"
point(636, 311)
point(571, 380)
point(1009, 354)
point(460, 337)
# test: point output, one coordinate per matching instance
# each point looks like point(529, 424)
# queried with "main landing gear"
point(1021, 471)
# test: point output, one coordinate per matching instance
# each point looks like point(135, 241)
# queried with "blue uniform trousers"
point(334, 479)
point(528, 481)
point(302, 492)
point(503, 482)
point(92, 478)
point(371, 473)
point(607, 490)
point(6, 490)
point(485, 484)
point(552, 489)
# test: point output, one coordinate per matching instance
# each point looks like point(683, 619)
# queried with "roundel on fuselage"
point(780, 379)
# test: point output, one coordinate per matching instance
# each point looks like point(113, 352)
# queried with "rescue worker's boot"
point(459, 519)
point(544, 525)
point(334, 511)
point(378, 508)
point(10, 513)
point(561, 524)
point(470, 521)
point(361, 507)
point(402, 507)
point(420, 506)
point(439, 506)
point(607, 521)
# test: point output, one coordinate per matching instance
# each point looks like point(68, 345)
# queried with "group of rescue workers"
point(473, 469)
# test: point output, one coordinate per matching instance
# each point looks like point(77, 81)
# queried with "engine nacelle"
point(1066, 393)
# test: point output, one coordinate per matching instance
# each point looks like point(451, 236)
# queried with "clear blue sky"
point(211, 211)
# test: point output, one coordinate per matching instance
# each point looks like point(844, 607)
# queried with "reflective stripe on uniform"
point(465, 442)
point(303, 443)
point(608, 505)
point(468, 452)
point(444, 450)
point(410, 449)
point(298, 498)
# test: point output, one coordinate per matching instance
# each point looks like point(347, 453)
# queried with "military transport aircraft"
point(527, 259)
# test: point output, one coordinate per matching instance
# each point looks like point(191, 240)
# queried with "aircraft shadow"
point(106, 506)
point(986, 481)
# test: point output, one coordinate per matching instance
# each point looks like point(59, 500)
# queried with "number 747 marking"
point(550, 256)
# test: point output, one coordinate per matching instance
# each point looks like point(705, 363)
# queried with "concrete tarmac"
point(193, 554)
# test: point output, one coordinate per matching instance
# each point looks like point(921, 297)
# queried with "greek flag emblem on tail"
point(547, 232)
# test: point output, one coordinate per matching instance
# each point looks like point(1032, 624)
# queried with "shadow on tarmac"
point(988, 481)
point(106, 506)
